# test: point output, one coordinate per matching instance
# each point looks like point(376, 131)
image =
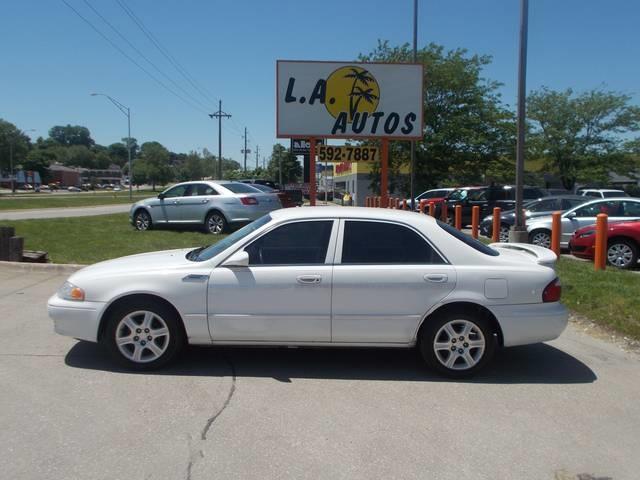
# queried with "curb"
point(61, 268)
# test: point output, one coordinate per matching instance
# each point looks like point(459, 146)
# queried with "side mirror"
point(238, 259)
point(161, 196)
point(571, 215)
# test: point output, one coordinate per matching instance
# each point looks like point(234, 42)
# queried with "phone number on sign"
point(328, 153)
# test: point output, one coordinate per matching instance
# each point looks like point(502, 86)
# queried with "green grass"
point(610, 298)
point(56, 200)
point(87, 240)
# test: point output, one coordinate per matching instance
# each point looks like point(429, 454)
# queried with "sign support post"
point(312, 171)
point(384, 174)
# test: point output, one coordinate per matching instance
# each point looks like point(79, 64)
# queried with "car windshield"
point(469, 240)
point(459, 194)
point(237, 187)
point(206, 253)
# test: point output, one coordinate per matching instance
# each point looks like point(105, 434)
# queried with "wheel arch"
point(463, 307)
point(624, 238)
point(132, 298)
point(145, 208)
point(216, 210)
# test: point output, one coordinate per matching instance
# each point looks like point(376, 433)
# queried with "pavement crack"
point(210, 420)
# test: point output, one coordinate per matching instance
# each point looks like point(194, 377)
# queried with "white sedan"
point(326, 276)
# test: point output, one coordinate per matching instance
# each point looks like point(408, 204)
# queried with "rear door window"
point(202, 189)
point(379, 243)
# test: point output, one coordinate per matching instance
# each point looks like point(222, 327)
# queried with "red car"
point(623, 242)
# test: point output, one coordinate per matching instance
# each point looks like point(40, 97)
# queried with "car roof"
point(602, 190)
point(366, 213)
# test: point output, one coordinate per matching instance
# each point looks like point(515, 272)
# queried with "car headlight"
point(68, 291)
point(587, 233)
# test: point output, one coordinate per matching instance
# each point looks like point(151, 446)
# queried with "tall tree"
point(71, 135)
point(581, 136)
point(466, 127)
point(118, 153)
point(154, 162)
point(283, 158)
point(12, 139)
point(39, 159)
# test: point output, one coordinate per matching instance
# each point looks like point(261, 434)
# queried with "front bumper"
point(75, 319)
point(530, 323)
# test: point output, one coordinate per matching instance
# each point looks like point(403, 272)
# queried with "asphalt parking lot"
point(548, 411)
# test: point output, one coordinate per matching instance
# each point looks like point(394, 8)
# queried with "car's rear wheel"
point(541, 238)
point(622, 253)
point(457, 344)
point(215, 223)
point(143, 335)
point(142, 220)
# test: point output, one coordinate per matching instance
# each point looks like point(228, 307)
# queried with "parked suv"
point(215, 205)
point(486, 198)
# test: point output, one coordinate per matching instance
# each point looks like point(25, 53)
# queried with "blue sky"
point(51, 60)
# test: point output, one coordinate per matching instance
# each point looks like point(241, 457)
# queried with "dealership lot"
point(545, 411)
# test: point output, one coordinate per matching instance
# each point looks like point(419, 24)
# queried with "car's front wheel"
point(215, 223)
point(541, 238)
point(622, 253)
point(504, 233)
point(457, 344)
point(143, 335)
point(142, 220)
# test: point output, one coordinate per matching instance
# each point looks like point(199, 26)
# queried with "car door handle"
point(309, 279)
point(436, 277)
point(195, 277)
point(205, 201)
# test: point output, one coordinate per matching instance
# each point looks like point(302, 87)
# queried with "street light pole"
point(127, 112)
point(519, 231)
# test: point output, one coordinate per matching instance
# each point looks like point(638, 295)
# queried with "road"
point(551, 411)
point(62, 212)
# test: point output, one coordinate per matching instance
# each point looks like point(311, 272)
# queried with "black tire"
point(541, 238)
point(622, 253)
point(215, 223)
point(170, 346)
point(142, 220)
point(436, 359)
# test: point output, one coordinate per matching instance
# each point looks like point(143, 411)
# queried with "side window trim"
point(332, 241)
point(338, 255)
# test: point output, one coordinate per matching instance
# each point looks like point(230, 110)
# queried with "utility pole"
point(245, 149)
point(219, 114)
point(412, 174)
point(518, 232)
point(257, 150)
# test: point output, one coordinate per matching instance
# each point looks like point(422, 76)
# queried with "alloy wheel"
point(620, 255)
point(541, 239)
point(142, 336)
point(504, 234)
point(215, 224)
point(459, 344)
point(142, 221)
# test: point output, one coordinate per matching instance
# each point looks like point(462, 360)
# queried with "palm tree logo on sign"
point(352, 90)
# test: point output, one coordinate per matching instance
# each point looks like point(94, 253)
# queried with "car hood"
point(146, 262)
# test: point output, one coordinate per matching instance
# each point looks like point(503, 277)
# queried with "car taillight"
point(552, 292)
point(249, 200)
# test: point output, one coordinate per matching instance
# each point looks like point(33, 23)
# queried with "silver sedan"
point(213, 204)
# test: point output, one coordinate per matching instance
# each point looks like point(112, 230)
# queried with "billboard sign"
point(349, 100)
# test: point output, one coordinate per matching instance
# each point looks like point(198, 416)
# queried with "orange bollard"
point(423, 203)
point(495, 230)
point(556, 232)
point(445, 212)
point(600, 260)
point(404, 204)
point(458, 211)
point(432, 209)
point(475, 220)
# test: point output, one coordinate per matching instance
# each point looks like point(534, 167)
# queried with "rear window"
point(617, 193)
point(472, 242)
point(238, 187)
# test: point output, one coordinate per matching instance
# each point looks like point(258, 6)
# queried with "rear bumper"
point(530, 323)
point(75, 319)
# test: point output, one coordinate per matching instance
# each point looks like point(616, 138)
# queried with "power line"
point(164, 51)
point(110, 25)
point(128, 57)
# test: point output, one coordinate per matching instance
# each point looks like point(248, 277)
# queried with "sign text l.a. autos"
point(326, 99)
